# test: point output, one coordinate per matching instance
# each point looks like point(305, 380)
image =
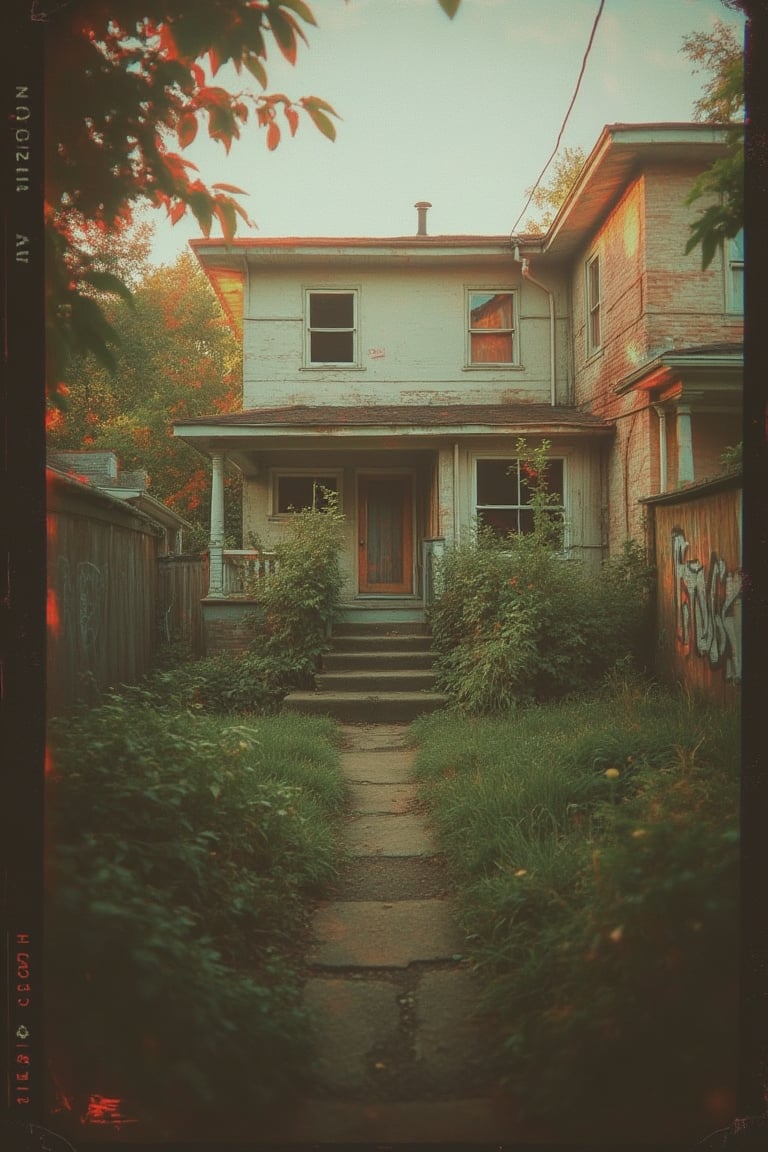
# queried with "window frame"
point(514, 331)
point(316, 474)
point(480, 457)
point(593, 307)
point(733, 265)
point(354, 293)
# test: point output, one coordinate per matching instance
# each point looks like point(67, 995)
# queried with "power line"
point(567, 114)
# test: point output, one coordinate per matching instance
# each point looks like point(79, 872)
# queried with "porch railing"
point(242, 565)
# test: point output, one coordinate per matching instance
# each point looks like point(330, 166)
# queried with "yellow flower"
point(616, 935)
point(639, 833)
point(612, 773)
point(521, 872)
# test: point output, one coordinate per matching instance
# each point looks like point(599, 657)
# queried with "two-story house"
point(400, 372)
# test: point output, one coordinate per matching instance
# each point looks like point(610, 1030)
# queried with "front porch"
point(410, 481)
point(229, 606)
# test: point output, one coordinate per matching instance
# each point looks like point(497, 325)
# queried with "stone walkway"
point(401, 1055)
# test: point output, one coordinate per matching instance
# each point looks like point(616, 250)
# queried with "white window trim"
point(337, 365)
point(275, 474)
point(477, 456)
point(592, 306)
point(492, 365)
point(733, 306)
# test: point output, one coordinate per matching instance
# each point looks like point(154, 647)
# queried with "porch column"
point(685, 473)
point(662, 415)
point(216, 542)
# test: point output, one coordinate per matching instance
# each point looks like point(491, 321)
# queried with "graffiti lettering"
point(705, 608)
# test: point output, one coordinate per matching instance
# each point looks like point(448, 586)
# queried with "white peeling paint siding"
point(411, 333)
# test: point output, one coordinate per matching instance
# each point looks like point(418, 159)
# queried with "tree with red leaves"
point(129, 83)
point(127, 88)
point(176, 358)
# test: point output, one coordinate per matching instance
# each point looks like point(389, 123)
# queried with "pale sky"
point(462, 113)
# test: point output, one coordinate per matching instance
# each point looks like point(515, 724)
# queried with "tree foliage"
point(547, 198)
point(176, 359)
point(128, 87)
point(721, 55)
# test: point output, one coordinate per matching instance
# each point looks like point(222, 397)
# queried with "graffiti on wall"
point(86, 597)
point(706, 608)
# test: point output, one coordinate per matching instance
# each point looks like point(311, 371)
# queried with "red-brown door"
point(385, 540)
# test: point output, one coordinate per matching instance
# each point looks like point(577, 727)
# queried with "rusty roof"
point(405, 415)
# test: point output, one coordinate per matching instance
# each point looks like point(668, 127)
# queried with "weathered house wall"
point(654, 298)
point(412, 333)
point(685, 304)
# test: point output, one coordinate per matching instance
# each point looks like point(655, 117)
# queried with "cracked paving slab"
point(389, 835)
point(353, 1017)
point(369, 934)
point(382, 799)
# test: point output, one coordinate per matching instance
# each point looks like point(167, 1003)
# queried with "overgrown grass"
point(595, 848)
point(183, 851)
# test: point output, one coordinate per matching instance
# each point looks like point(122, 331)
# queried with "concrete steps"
point(377, 672)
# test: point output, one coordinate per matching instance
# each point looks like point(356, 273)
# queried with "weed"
point(595, 847)
point(183, 849)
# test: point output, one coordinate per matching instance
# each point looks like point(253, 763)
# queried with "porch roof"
point(406, 419)
point(721, 363)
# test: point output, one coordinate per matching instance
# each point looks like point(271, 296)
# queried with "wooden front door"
point(385, 533)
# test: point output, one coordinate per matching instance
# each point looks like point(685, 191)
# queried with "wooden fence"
point(182, 584)
point(696, 539)
point(113, 598)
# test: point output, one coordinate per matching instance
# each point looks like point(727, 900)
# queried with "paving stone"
point(392, 878)
point(440, 1122)
point(379, 767)
point(405, 835)
point(374, 737)
point(350, 1017)
point(369, 934)
point(392, 799)
point(449, 1039)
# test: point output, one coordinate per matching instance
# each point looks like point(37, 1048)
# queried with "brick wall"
point(227, 627)
point(654, 298)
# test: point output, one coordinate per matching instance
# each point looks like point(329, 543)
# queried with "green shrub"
point(183, 851)
point(301, 600)
point(595, 845)
point(518, 621)
point(229, 682)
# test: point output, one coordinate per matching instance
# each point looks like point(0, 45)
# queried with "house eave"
point(619, 153)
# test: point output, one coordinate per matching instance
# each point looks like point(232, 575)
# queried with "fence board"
point(697, 545)
point(182, 584)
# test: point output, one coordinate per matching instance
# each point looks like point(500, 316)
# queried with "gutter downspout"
point(551, 299)
point(661, 413)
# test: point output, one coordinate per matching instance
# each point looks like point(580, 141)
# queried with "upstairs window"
point(491, 327)
point(504, 491)
point(735, 272)
point(594, 306)
point(297, 491)
point(331, 327)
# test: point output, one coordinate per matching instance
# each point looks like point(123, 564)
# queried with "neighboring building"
point(101, 470)
point(400, 372)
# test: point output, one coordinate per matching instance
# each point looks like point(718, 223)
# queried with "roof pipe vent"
point(422, 207)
